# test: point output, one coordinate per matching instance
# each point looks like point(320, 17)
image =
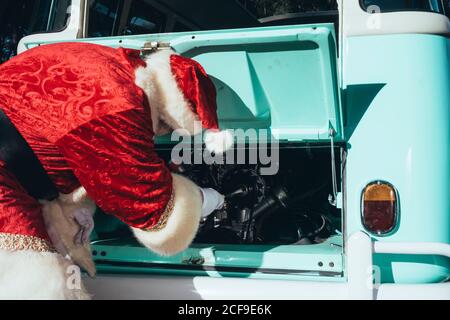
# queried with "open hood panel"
point(280, 78)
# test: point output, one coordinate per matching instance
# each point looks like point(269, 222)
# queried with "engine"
point(291, 207)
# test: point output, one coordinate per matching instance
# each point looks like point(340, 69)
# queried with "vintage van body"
point(371, 91)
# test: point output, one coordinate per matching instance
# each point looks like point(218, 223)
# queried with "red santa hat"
point(182, 96)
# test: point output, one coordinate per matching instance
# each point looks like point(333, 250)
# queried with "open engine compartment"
point(281, 226)
point(295, 206)
point(282, 81)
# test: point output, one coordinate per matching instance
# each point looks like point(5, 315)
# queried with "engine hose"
point(313, 233)
point(277, 201)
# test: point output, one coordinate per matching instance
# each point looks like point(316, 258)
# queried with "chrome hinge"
point(333, 198)
point(155, 45)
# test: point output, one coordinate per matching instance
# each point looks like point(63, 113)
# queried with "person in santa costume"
point(89, 114)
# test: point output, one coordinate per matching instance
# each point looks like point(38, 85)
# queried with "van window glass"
point(19, 18)
point(153, 16)
point(104, 16)
point(402, 5)
point(108, 18)
point(144, 19)
point(268, 8)
point(180, 27)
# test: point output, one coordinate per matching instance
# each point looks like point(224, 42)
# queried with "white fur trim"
point(166, 100)
point(30, 275)
point(182, 224)
point(78, 196)
point(218, 142)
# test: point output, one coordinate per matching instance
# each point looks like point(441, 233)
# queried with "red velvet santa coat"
point(80, 110)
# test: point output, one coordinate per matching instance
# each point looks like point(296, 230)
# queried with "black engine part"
point(290, 207)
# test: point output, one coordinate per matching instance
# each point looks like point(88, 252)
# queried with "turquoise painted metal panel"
point(322, 262)
point(398, 130)
point(280, 78)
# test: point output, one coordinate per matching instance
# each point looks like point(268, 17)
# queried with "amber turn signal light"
point(379, 208)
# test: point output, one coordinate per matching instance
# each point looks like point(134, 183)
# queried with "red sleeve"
point(114, 159)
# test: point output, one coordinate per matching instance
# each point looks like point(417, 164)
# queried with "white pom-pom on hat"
point(218, 141)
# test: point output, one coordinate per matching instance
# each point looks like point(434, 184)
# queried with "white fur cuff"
point(182, 224)
point(26, 275)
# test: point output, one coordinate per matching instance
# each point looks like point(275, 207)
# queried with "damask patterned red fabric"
point(114, 159)
point(80, 111)
point(19, 212)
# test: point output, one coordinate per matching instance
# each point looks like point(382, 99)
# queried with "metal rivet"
point(332, 264)
point(320, 264)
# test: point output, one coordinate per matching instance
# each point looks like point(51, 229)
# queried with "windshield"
point(129, 17)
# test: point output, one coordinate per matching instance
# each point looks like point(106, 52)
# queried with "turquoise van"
point(356, 94)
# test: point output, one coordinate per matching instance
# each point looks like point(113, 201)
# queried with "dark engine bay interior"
point(294, 206)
